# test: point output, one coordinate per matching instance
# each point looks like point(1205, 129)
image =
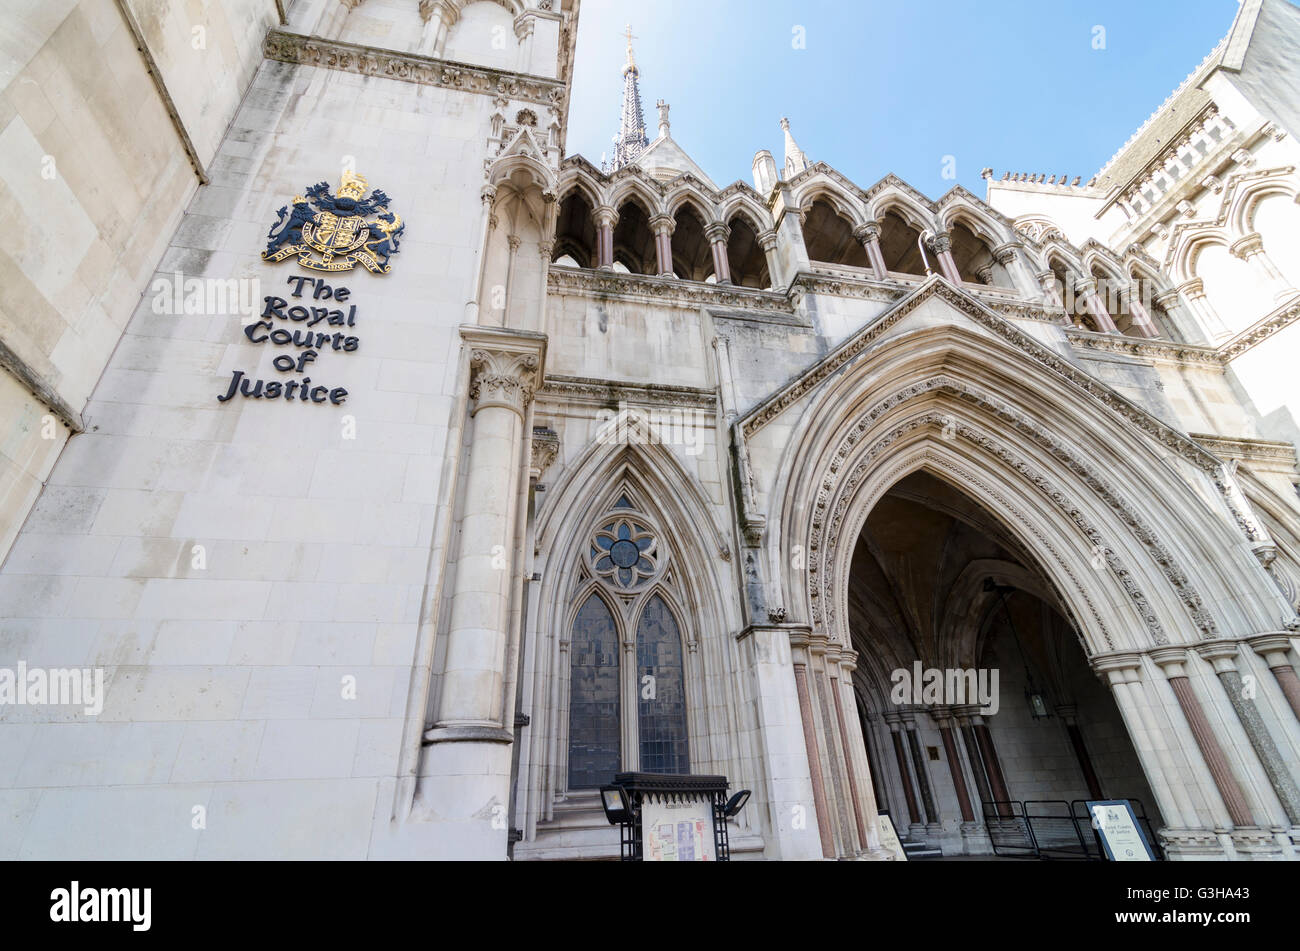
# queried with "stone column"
point(941, 244)
point(437, 17)
point(504, 372)
point(767, 241)
point(1052, 296)
point(973, 757)
point(1211, 324)
point(824, 658)
point(1067, 713)
point(605, 220)
point(1273, 648)
point(525, 26)
point(992, 767)
point(841, 670)
point(332, 22)
point(1222, 655)
point(662, 226)
point(869, 235)
point(1141, 319)
point(946, 723)
point(1011, 256)
point(895, 724)
point(799, 658)
point(787, 793)
point(1087, 289)
point(922, 775)
point(1171, 660)
point(718, 233)
point(1251, 250)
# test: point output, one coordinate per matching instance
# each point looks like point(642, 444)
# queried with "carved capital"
point(867, 232)
point(717, 232)
point(941, 243)
point(1247, 246)
point(505, 368)
point(546, 447)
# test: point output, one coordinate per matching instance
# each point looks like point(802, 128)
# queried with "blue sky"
point(893, 86)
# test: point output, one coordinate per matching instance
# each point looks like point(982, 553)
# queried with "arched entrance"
point(974, 693)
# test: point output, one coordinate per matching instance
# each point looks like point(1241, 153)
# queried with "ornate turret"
point(795, 160)
point(631, 140)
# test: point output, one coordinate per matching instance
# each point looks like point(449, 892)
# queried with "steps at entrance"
point(919, 851)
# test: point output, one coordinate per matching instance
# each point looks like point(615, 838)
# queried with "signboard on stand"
point(1118, 830)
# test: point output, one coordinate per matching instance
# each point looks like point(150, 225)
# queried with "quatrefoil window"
point(623, 552)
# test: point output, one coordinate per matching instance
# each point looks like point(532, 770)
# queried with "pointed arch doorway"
point(973, 687)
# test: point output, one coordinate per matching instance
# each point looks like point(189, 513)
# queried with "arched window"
point(594, 740)
point(630, 715)
point(661, 691)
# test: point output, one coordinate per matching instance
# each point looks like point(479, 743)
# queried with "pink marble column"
point(954, 767)
point(1171, 662)
point(942, 245)
point(800, 661)
point(1273, 648)
point(904, 772)
point(663, 232)
point(848, 757)
point(1087, 289)
point(869, 235)
point(1142, 321)
point(718, 233)
point(605, 219)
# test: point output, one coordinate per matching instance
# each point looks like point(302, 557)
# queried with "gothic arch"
point(979, 222)
point(1239, 211)
point(687, 195)
point(979, 413)
point(667, 495)
point(745, 207)
point(578, 179)
point(912, 214)
point(822, 189)
point(1190, 245)
point(627, 186)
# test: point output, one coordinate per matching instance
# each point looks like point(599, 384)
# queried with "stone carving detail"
point(286, 47)
point(545, 449)
point(665, 290)
point(502, 379)
point(827, 518)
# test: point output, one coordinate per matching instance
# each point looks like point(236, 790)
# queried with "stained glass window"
point(595, 750)
point(661, 691)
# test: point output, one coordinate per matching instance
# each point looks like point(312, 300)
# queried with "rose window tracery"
point(623, 552)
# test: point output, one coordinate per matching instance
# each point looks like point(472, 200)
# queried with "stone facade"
point(629, 469)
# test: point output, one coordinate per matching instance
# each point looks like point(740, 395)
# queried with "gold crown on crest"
point(352, 185)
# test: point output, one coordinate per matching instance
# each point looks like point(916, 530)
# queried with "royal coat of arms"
point(337, 232)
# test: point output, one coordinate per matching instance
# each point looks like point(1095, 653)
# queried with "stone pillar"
point(895, 723)
point(869, 235)
point(799, 658)
point(605, 220)
point(767, 241)
point(922, 775)
point(1211, 324)
point(973, 757)
point(1123, 674)
point(718, 233)
point(662, 226)
point(1171, 660)
point(841, 673)
point(465, 768)
point(335, 17)
point(504, 372)
point(824, 658)
point(1141, 319)
point(946, 724)
point(525, 26)
point(766, 654)
point(1251, 250)
point(487, 224)
point(1087, 289)
point(1052, 296)
point(1273, 648)
point(1067, 713)
point(941, 244)
point(437, 17)
point(992, 767)
point(1222, 655)
point(791, 252)
point(1011, 256)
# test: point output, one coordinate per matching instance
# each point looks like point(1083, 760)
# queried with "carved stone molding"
point(836, 489)
point(286, 47)
point(605, 392)
point(640, 288)
point(505, 367)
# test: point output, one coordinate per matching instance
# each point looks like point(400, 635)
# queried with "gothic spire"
point(631, 140)
point(795, 160)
